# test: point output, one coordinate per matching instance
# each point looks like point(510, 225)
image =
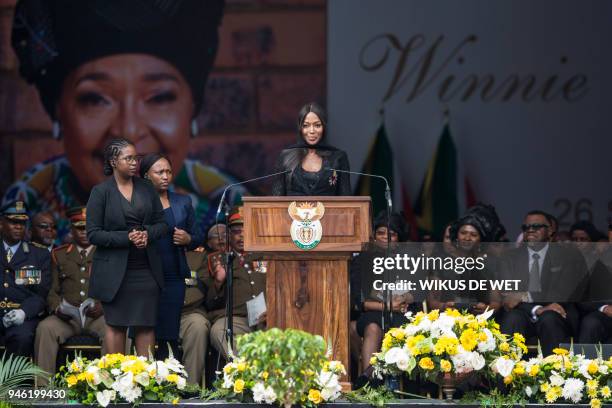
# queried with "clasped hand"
point(181, 237)
point(138, 238)
point(15, 317)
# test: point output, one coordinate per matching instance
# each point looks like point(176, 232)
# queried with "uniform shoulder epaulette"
point(38, 245)
point(58, 248)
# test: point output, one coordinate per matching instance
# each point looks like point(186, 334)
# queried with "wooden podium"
point(309, 289)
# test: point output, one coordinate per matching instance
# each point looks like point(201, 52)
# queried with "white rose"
point(503, 366)
point(476, 360)
point(393, 355)
point(556, 380)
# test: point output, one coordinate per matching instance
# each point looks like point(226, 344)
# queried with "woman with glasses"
point(181, 236)
point(310, 164)
point(125, 219)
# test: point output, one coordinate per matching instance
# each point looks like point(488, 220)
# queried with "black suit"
point(108, 231)
point(563, 274)
point(30, 297)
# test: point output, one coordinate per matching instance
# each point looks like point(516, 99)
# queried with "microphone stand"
point(387, 302)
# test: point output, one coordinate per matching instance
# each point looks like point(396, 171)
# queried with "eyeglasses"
point(130, 159)
point(535, 227)
point(44, 225)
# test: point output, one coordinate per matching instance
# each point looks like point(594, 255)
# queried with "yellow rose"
point(605, 392)
point(426, 363)
point(508, 379)
point(445, 366)
point(592, 368)
point(239, 386)
point(595, 403)
point(560, 351)
point(315, 396)
point(71, 380)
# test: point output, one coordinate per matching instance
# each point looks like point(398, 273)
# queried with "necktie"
point(83, 255)
point(9, 255)
point(534, 275)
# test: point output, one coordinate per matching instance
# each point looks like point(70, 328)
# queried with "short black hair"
point(546, 215)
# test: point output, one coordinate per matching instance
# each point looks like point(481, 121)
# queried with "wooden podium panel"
point(346, 223)
point(309, 289)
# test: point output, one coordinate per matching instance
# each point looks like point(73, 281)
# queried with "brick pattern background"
point(271, 60)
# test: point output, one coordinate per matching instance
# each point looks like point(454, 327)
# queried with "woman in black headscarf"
point(311, 162)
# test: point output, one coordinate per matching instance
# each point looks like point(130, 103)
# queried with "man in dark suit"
point(26, 280)
point(552, 277)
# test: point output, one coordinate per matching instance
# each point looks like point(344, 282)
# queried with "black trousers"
point(550, 328)
point(595, 328)
point(19, 340)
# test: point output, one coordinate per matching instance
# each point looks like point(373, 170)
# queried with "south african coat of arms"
point(306, 229)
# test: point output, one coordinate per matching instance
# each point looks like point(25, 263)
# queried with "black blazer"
point(108, 231)
point(184, 216)
point(327, 184)
point(563, 275)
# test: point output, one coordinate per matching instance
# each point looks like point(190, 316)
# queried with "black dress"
point(324, 182)
point(135, 304)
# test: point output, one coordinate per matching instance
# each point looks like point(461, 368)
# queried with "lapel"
point(175, 207)
point(546, 272)
point(74, 255)
point(19, 256)
point(143, 197)
point(115, 198)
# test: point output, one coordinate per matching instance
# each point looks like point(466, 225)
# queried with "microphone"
point(387, 188)
point(229, 186)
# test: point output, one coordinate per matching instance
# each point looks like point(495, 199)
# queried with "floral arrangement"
point(562, 377)
point(116, 378)
point(285, 367)
point(435, 343)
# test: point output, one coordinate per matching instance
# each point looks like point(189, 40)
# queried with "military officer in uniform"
point(44, 231)
point(249, 281)
point(195, 327)
point(70, 276)
point(26, 280)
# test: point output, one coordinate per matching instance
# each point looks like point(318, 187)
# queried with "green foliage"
point(17, 371)
point(377, 397)
point(494, 399)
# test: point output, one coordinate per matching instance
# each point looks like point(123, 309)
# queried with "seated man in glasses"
point(44, 231)
point(552, 278)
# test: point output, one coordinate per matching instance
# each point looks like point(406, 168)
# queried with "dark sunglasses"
point(44, 225)
point(535, 227)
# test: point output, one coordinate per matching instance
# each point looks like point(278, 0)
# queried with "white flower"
point(142, 378)
point(603, 369)
point(443, 326)
point(556, 380)
point(228, 381)
point(584, 369)
point(394, 354)
point(161, 370)
point(181, 382)
point(403, 362)
point(105, 397)
point(425, 324)
point(131, 394)
point(258, 392)
point(503, 366)
point(461, 362)
point(331, 389)
point(408, 315)
point(476, 360)
point(488, 344)
point(485, 316)
point(572, 390)
point(269, 395)
point(115, 372)
point(95, 370)
point(174, 365)
point(528, 391)
point(411, 330)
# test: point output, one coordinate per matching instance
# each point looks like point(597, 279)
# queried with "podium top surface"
point(344, 226)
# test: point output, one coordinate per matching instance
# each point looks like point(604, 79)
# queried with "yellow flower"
point(397, 333)
point(508, 379)
point(426, 363)
point(595, 403)
point(173, 378)
point(433, 315)
point(75, 366)
point(592, 368)
point(592, 393)
point(265, 375)
point(534, 370)
point(605, 392)
point(372, 360)
point(241, 366)
point(239, 386)
point(469, 339)
point(560, 351)
point(71, 380)
point(445, 366)
point(553, 394)
point(518, 338)
point(228, 368)
point(519, 369)
point(81, 377)
point(314, 396)
point(592, 384)
point(545, 387)
point(175, 401)
point(387, 342)
point(482, 336)
point(504, 347)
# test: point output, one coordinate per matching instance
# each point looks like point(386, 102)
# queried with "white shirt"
point(87, 250)
point(14, 248)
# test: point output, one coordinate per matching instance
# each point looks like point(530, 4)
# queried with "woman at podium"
point(311, 163)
